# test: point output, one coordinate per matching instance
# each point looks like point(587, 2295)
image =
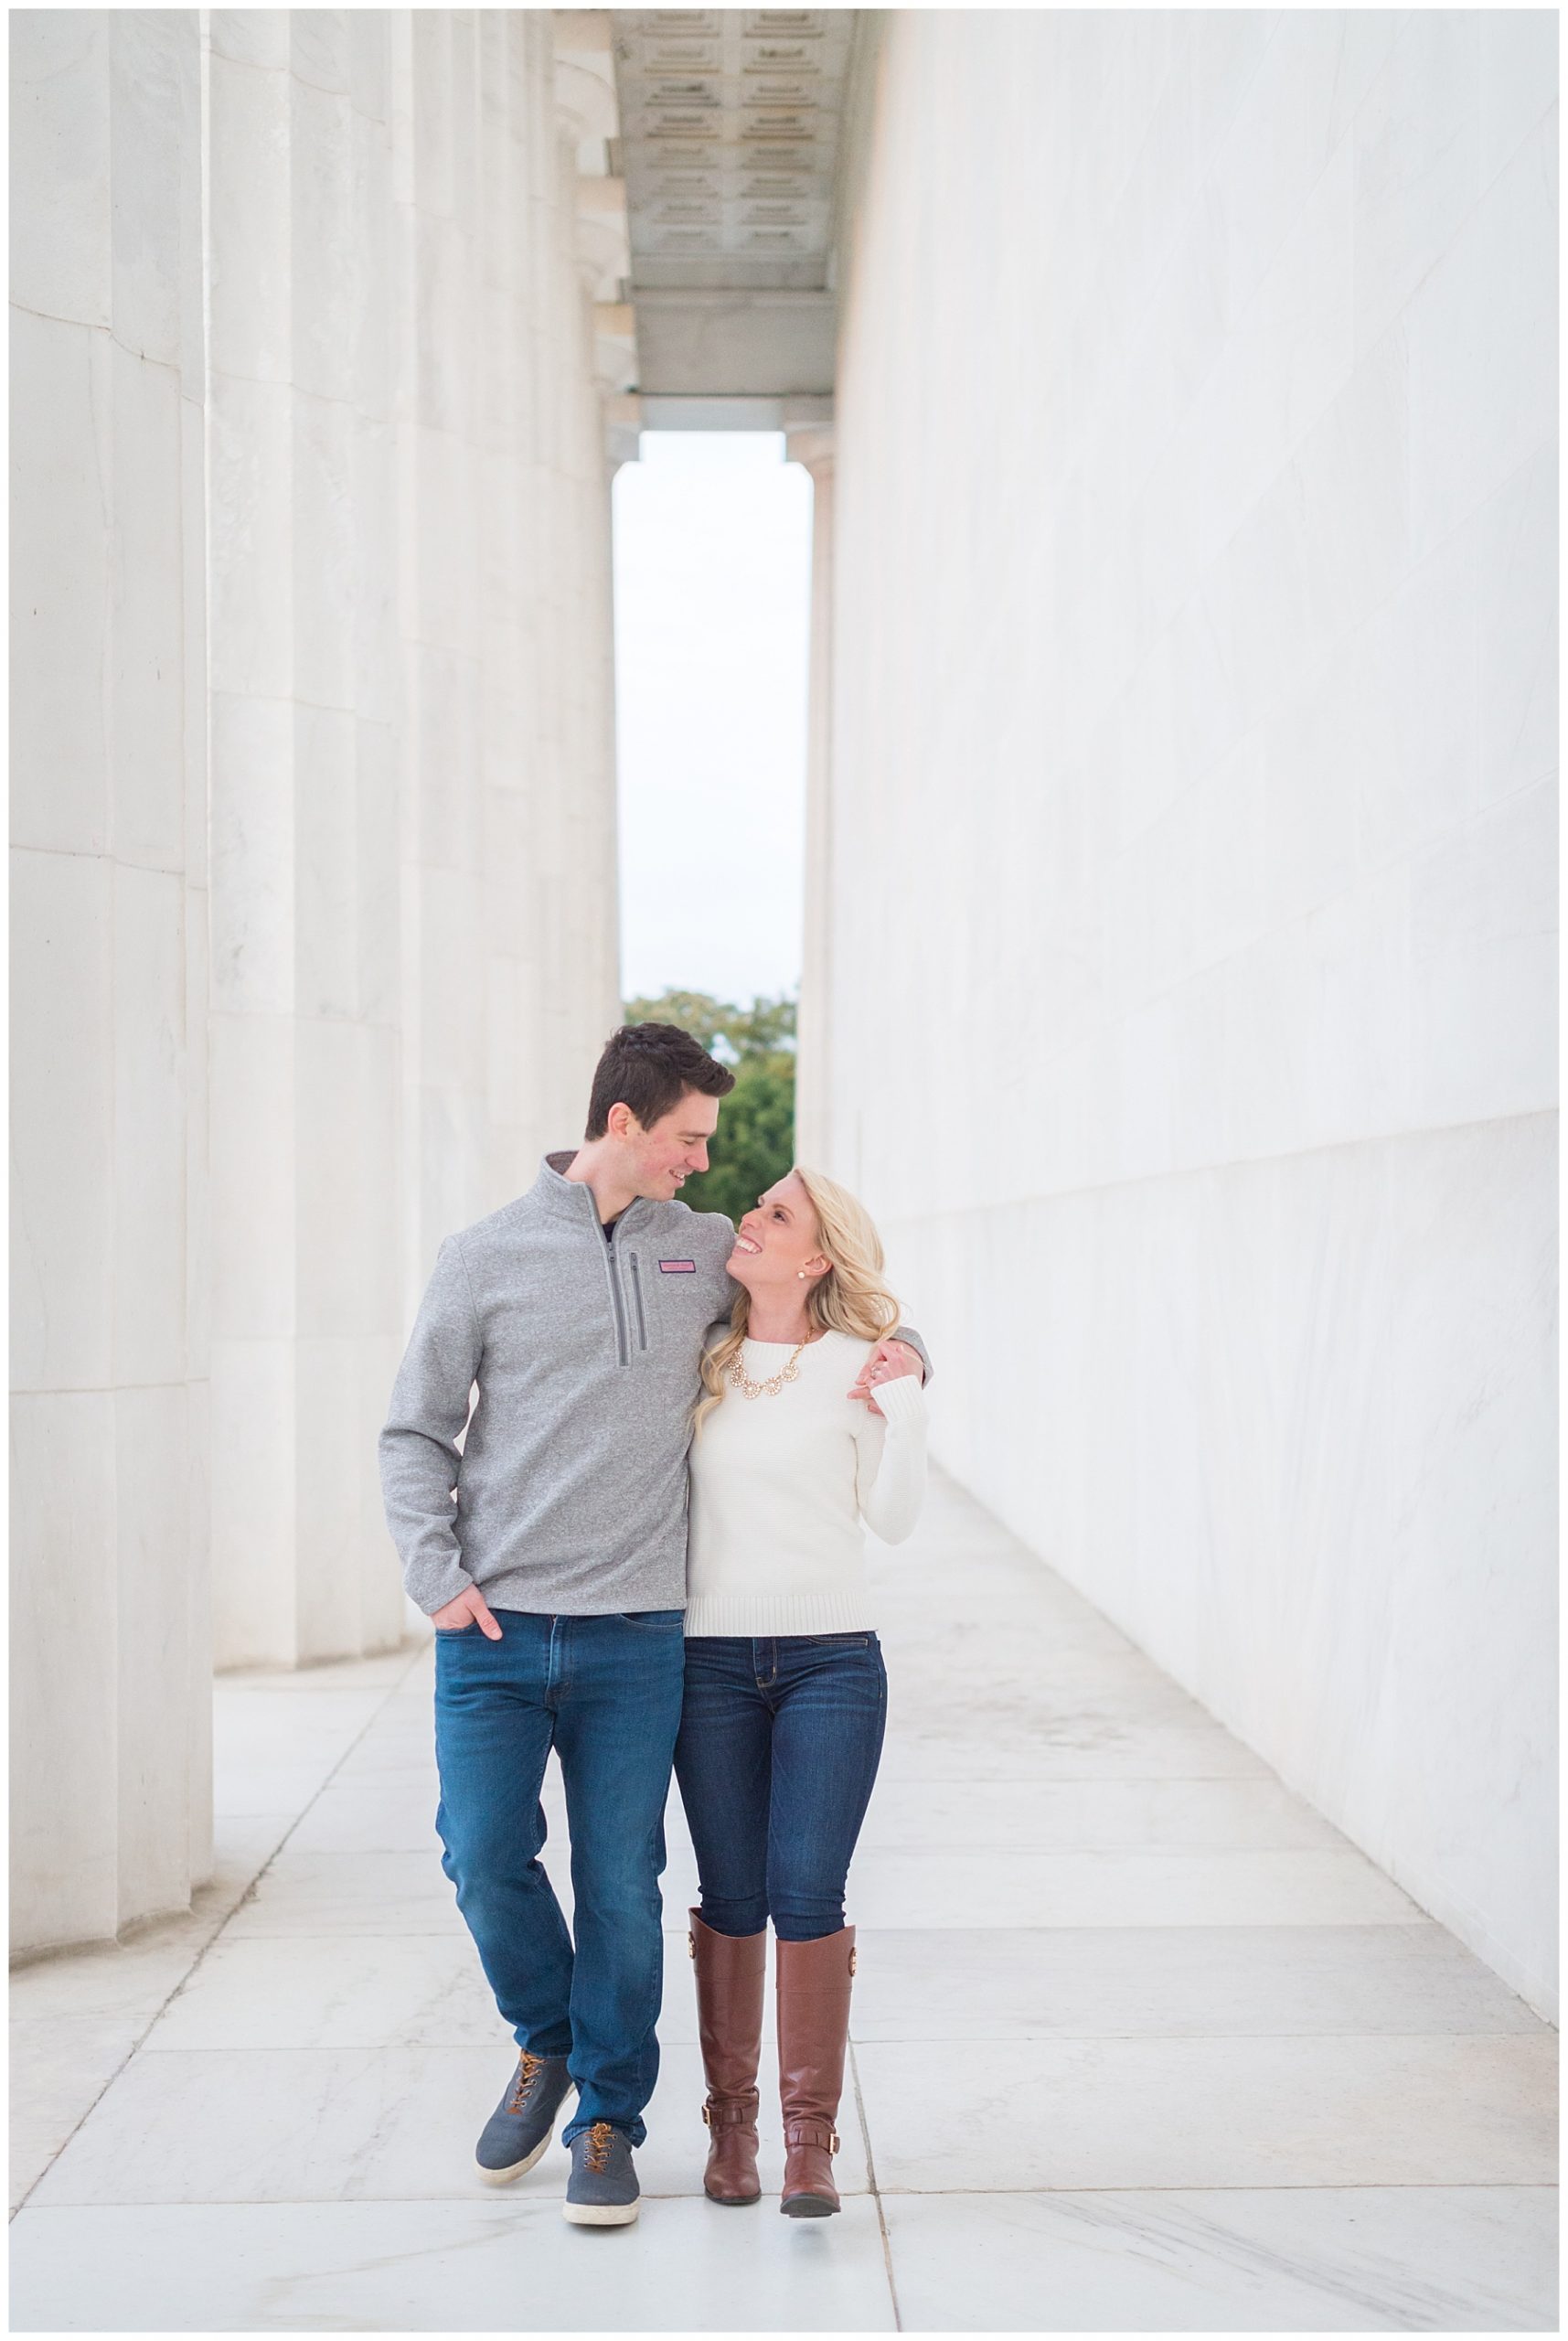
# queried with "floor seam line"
point(875, 2190)
point(1261, 2186)
point(916, 2194)
point(913, 2040)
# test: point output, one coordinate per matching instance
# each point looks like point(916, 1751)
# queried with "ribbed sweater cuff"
point(901, 1400)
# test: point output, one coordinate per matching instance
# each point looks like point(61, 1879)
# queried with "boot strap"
point(803, 2131)
point(730, 2112)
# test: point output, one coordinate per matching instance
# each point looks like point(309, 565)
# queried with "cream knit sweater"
point(781, 1485)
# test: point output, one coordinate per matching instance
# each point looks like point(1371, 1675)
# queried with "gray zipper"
point(622, 1343)
point(637, 1297)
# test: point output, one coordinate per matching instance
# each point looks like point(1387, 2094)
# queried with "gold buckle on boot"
point(852, 1958)
point(690, 1944)
point(707, 2115)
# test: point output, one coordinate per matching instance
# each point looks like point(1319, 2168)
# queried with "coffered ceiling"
point(729, 149)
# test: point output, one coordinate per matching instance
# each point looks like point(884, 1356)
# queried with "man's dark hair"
point(650, 1067)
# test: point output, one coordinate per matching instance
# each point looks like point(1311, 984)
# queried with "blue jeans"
point(605, 1694)
point(780, 1738)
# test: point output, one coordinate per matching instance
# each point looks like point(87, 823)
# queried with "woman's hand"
point(887, 1362)
point(469, 1609)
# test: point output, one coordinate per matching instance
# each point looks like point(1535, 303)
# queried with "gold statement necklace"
point(789, 1371)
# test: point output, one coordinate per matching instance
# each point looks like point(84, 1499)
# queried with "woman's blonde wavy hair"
point(850, 1299)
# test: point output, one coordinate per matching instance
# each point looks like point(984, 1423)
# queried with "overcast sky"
point(713, 618)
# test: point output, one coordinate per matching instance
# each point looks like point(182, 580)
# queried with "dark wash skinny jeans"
point(605, 1692)
point(780, 1739)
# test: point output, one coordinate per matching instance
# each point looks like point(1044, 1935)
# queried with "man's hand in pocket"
point(469, 1609)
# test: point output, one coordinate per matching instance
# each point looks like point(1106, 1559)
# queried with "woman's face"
point(776, 1249)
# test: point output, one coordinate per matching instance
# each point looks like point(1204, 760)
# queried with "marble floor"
point(1139, 2043)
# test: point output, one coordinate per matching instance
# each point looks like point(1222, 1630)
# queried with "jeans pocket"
point(651, 1616)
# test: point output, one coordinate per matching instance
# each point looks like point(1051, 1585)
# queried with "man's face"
point(675, 1149)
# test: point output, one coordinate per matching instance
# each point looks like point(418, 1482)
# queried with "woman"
point(786, 1690)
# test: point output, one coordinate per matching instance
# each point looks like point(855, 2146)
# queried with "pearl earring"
point(800, 1274)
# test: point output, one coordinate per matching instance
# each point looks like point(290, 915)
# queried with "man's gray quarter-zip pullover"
point(570, 1490)
point(570, 1485)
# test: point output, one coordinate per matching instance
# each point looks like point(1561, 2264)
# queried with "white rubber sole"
point(601, 2215)
point(505, 2177)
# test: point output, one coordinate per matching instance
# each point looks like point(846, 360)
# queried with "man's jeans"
point(605, 1692)
point(778, 1750)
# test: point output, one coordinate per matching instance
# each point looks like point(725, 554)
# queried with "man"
point(549, 1554)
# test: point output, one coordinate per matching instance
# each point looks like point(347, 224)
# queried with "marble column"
point(509, 974)
point(110, 1705)
point(413, 788)
point(306, 912)
point(813, 445)
point(312, 324)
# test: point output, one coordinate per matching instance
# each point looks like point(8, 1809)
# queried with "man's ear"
point(621, 1122)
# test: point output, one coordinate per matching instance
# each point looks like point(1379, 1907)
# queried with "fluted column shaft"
point(813, 448)
point(110, 1667)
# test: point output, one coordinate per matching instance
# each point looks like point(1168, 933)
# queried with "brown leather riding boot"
point(814, 2028)
point(730, 1977)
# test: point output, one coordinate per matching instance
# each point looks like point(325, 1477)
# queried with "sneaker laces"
point(529, 2070)
point(599, 2136)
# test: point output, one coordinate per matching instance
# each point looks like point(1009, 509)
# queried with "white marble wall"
point(312, 590)
point(111, 1696)
point(1193, 760)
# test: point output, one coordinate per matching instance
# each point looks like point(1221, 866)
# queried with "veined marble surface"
point(1139, 2043)
point(1193, 625)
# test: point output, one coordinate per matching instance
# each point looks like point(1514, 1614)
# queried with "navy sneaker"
point(602, 2190)
point(523, 2124)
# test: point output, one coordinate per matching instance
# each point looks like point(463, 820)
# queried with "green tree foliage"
point(755, 1140)
point(727, 1032)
